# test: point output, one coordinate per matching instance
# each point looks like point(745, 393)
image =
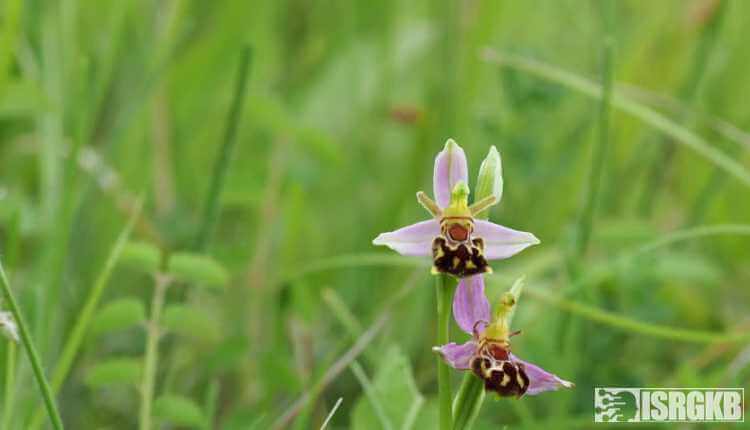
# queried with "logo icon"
point(613, 404)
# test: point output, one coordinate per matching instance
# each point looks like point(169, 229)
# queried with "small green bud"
point(490, 180)
point(515, 292)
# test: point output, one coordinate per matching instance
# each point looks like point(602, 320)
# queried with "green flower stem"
point(444, 289)
point(36, 365)
point(468, 402)
point(153, 333)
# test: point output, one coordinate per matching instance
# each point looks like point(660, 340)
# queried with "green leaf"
point(117, 371)
point(141, 256)
point(396, 392)
point(118, 315)
point(179, 410)
point(199, 269)
point(190, 321)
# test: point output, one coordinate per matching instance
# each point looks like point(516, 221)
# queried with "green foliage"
point(344, 110)
point(395, 393)
point(142, 256)
point(199, 269)
point(179, 410)
point(191, 322)
point(118, 315)
point(115, 371)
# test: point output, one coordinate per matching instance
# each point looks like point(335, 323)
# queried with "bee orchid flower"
point(488, 353)
point(459, 243)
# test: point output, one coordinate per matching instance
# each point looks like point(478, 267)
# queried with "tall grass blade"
point(221, 167)
point(28, 343)
point(649, 116)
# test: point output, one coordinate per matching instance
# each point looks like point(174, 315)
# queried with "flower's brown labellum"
point(459, 259)
point(500, 374)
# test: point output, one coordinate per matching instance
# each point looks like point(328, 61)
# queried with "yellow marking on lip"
point(519, 380)
point(456, 262)
point(506, 379)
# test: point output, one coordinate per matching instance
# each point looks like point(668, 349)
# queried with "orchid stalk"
point(459, 242)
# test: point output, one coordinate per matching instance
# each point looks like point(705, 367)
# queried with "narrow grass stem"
point(150, 361)
point(586, 221)
point(676, 131)
point(444, 294)
point(635, 326)
point(221, 167)
point(10, 391)
point(86, 315)
point(701, 62)
point(369, 389)
point(36, 364)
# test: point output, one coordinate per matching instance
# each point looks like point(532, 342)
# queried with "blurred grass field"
point(346, 105)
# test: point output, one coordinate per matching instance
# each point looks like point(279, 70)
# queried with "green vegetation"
point(189, 191)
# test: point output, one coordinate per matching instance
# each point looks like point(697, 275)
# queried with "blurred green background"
point(346, 105)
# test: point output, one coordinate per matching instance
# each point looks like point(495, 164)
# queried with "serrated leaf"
point(191, 321)
point(117, 371)
point(199, 269)
point(141, 256)
point(179, 410)
point(118, 315)
point(396, 392)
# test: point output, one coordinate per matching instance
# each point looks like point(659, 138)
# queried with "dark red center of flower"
point(458, 232)
point(497, 352)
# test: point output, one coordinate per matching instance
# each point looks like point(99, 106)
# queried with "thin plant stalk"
point(647, 115)
point(468, 402)
point(586, 221)
point(212, 396)
point(701, 61)
point(225, 152)
point(635, 326)
point(10, 381)
point(150, 361)
point(444, 295)
point(86, 315)
point(36, 364)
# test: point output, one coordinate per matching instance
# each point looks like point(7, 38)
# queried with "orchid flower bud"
point(490, 180)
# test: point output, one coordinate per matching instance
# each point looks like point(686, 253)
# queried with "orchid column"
point(459, 243)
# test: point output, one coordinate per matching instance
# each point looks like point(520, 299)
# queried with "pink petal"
point(502, 242)
point(450, 168)
point(470, 305)
point(456, 355)
point(540, 380)
point(413, 240)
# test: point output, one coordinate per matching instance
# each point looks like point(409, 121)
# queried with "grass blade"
point(620, 101)
point(332, 413)
point(81, 327)
point(36, 364)
point(635, 326)
point(225, 153)
point(586, 221)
